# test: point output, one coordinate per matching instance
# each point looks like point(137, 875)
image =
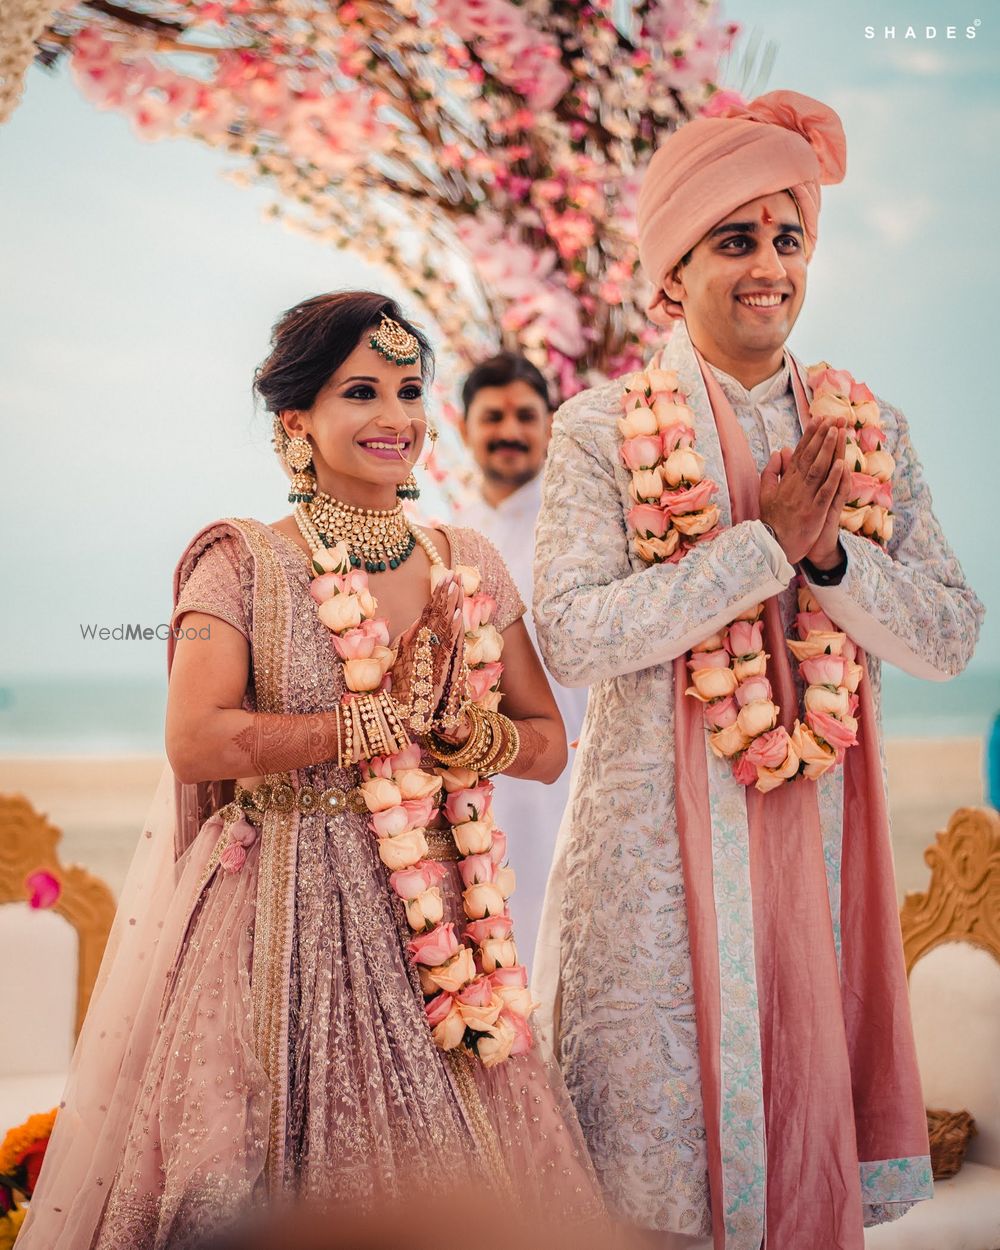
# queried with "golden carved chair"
point(951, 941)
point(51, 959)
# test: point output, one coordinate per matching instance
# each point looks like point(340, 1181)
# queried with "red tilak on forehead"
point(765, 217)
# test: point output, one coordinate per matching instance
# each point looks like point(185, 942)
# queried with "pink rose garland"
point(672, 512)
point(476, 991)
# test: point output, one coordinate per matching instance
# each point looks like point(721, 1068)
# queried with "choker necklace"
point(377, 538)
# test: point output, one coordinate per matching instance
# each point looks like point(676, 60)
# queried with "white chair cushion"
point(955, 999)
point(21, 1096)
point(38, 987)
point(964, 1214)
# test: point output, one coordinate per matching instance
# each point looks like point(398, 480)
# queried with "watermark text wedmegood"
point(144, 633)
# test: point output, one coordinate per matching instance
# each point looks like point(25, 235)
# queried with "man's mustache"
point(506, 444)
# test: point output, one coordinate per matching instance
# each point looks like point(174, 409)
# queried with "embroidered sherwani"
point(527, 811)
point(613, 963)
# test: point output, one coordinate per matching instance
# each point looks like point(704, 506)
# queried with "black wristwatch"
point(825, 577)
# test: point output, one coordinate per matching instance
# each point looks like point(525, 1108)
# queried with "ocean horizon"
point(90, 715)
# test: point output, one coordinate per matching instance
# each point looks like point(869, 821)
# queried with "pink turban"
point(781, 141)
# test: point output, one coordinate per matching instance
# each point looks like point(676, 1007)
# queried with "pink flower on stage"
point(437, 1008)
point(392, 821)
point(871, 438)
point(752, 689)
point(411, 882)
point(498, 851)
point(477, 610)
point(355, 644)
point(523, 1039)
point(709, 659)
point(434, 948)
point(769, 750)
point(43, 889)
point(813, 622)
point(483, 679)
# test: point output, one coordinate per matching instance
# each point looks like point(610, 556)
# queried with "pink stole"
point(839, 1076)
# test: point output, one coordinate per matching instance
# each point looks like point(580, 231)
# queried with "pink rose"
point(770, 749)
point(860, 393)
point(463, 805)
point(824, 670)
point(475, 869)
point(683, 465)
point(498, 851)
point(721, 714)
point(379, 794)
point(709, 659)
point(418, 812)
point(523, 1039)
point(478, 610)
point(863, 487)
point(390, 822)
point(835, 382)
point(363, 675)
point(871, 438)
point(490, 928)
point(807, 622)
point(648, 521)
point(744, 772)
point(438, 1008)
point(478, 1005)
point(831, 730)
point(752, 689)
point(409, 882)
point(676, 436)
point(325, 587)
point(356, 644)
point(482, 680)
point(691, 500)
point(434, 948)
point(407, 758)
point(745, 637)
point(642, 452)
point(830, 407)
point(515, 977)
point(378, 629)
point(233, 857)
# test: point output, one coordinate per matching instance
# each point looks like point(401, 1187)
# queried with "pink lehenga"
point(260, 1034)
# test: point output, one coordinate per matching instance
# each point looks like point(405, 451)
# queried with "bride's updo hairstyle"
point(311, 341)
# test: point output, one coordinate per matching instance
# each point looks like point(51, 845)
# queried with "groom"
point(720, 946)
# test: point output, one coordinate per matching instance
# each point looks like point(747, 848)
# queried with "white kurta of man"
point(527, 811)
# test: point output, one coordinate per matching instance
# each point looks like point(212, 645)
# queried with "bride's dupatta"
point(177, 856)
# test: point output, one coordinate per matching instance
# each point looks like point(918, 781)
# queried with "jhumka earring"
point(298, 457)
point(410, 489)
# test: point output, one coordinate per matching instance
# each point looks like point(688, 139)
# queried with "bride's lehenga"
point(262, 1031)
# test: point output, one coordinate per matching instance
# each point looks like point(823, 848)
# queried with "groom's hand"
point(801, 490)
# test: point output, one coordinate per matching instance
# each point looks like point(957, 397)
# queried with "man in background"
point(507, 425)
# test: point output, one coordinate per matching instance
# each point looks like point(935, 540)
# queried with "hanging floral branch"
point(489, 152)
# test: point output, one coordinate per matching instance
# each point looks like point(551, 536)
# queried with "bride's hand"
point(442, 617)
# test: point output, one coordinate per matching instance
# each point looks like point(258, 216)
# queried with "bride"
point(312, 987)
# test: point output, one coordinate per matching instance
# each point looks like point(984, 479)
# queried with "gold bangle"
point(470, 749)
point(506, 733)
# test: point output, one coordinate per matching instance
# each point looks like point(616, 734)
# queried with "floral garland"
point(476, 989)
point(21, 1154)
point(672, 512)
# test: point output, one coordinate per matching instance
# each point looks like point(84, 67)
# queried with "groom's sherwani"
point(613, 960)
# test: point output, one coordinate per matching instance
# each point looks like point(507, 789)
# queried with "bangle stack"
point(492, 746)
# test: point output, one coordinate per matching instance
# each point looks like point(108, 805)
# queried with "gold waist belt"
point(333, 801)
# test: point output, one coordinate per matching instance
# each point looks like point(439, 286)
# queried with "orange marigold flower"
point(20, 1140)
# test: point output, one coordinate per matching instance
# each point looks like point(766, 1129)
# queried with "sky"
point(139, 287)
